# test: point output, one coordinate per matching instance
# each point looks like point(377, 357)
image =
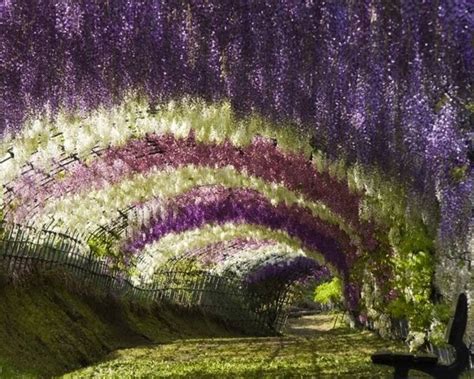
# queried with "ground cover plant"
point(313, 349)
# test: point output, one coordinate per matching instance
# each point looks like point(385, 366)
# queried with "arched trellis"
point(151, 146)
point(340, 72)
point(145, 153)
point(182, 276)
point(309, 189)
point(269, 298)
point(51, 182)
point(120, 225)
point(46, 178)
point(114, 229)
point(113, 234)
point(245, 251)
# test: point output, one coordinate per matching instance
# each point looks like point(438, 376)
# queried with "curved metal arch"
point(60, 165)
point(114, 230)
point(111, 234)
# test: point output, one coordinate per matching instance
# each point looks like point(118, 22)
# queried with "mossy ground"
point(309, 348)
point(51, 324)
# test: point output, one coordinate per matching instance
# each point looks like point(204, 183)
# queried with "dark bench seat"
point(404, 362)
point(386, 356)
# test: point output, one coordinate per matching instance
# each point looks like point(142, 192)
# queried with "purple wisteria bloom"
point(299, 62)
point(261, 159)
point(289, 271)
point(220, 205)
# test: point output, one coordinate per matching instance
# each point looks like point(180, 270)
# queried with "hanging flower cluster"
point(261, 159)
point(92, 189)
point(41, 140)
point(98, 207)
point(216, 253)
point(373, 82)
point(89, 190)
point(332, 128)
point(243, 262)
point(215, 205)
point(205, 237)
point(293, 270)
point(286, 270)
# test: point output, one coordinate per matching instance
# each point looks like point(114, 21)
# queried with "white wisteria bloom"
point(176, 244)
point(167, 184)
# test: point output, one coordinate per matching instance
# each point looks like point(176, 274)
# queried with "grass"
point(310, 348)
point(51, 324)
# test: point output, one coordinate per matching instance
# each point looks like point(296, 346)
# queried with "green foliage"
point(459, 173)
point(399, 308)
point(101, 247)
point(415, 304)
point(442, 312)
point(416, 273)
point(470, 106)
point(188, 265)
point(407, 238)
point(413, 282)
point(98, 247)
point(329, 292)
point(444, 99)
point(6, 371)
point(303, 294)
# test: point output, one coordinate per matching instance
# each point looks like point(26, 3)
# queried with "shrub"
point(329, 292)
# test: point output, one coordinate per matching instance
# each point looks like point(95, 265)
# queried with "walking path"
point(309, 348)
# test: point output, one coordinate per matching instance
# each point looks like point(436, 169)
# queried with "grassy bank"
point(51, 324)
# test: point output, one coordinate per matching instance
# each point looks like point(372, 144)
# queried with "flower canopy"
point(336, 130)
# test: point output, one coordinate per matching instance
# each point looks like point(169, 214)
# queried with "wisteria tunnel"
point(215, 153)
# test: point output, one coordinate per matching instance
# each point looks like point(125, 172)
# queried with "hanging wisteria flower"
point(332, 127)
point(287, 271)
point(223, 205)
point(177, 244)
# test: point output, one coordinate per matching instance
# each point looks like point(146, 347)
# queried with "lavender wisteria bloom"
point(342, 72)
point(218, 252)
point(221, 205)
point(453, 174)
point(261, 159)
point(288, 271)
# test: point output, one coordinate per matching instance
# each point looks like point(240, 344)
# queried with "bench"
point(428, 363)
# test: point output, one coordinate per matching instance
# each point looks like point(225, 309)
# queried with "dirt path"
point(311, 325)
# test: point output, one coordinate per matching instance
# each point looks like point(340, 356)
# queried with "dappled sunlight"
point(311, 324)
point(319, 350)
